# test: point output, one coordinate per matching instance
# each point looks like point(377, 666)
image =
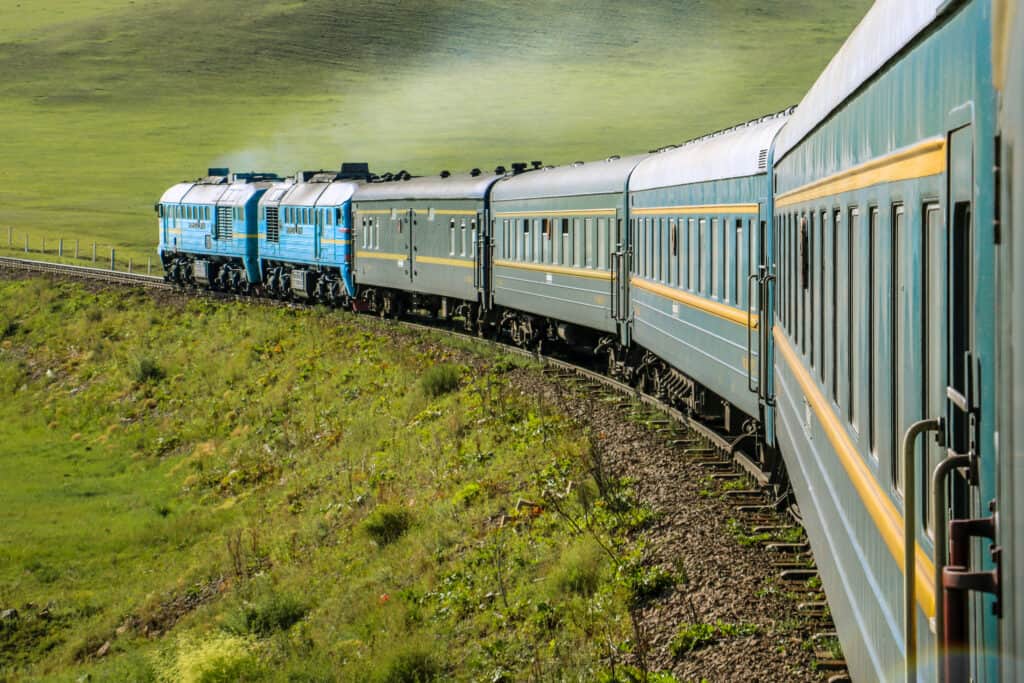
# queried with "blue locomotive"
point(208, 230)
point(836, 287)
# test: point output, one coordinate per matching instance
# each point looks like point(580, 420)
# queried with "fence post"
point(60, 247)
point(76, 249)
point(26, 243)
point(10, 236)
point(149, 265)
point(43, 250)
point(129, 264)
point(111, 258)
point(94, 252)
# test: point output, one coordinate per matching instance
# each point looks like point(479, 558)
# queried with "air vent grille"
point(762, 160)
point(273, 224)
point(223, 222)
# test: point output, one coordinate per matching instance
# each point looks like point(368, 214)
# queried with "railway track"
point(724, 457)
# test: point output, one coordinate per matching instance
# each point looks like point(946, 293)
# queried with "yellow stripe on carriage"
point(244, 235)
point(560, 270)
point(734, 315)
point(381, 255)
point(558, 212)
point(917, 161)
point(438, 261)
point(336, 242)
point(883, 512)
point(709, 209)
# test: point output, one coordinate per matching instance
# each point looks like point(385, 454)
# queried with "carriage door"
point(619, 265)
point(318, 231)
point(963, 618)
point(403, 224)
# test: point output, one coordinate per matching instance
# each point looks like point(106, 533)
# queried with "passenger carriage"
point(305, 235)
point(1008, 76)
point(420, 243)
point(208, 230)
point(884, 290)
point(558, 244)
point(697, 216)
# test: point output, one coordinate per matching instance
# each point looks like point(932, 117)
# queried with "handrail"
point(763, 331)
point(750, 321)
point(938, 503)
point(910, 540)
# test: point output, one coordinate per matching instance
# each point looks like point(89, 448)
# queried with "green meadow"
point(195, 491)
point(105, 103)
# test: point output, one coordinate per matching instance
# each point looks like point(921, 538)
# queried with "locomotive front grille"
point(223, 222)
point(273, 224)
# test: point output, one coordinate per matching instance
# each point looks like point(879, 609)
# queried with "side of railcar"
point(420, 244)
point(556, 234)
point(305, 237)
point(208, 230)
point(1008, 53)
point(883, 257)
point(698, 214)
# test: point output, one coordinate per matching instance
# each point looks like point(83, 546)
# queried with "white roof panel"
point(886, 29)
point(736, 153)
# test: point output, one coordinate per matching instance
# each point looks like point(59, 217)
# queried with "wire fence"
point(95, 253)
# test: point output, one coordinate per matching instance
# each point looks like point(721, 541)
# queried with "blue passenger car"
point(698, 213)
point(884, 261)
point(208, 230)
point(305, 235)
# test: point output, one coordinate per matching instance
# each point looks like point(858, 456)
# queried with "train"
point(837, 286)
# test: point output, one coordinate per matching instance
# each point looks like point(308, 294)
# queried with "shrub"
point(267, 614)
point(465, 496)
point(440, 379)
point(210, 658)
point(147, 370)
point(415, 665)
point(646, 583)
point(579, 570)
point(387, 524)
point(693, 636)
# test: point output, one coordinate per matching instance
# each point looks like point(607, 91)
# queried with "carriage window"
point(897, 356)
point(462, 239)
point(853, 275)
point(398, 225)
point(602, 242)
point(577, 238)
point(716, 251)
point(819, 292)
point(566, 243)
point(589, 223)
point(394, 213)
point(451, 237)
point(694, 242)
point(472, 236)
point(431, 214)
point(871, 328)
point(737, 249)
point(836, 216)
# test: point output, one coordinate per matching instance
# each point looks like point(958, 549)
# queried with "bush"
point(267, 614)
point(440, 379)
point(693, 636)
point(647, 583)
point(579, 570)
point(147, 370)
point(411, 666)
point(387, 524)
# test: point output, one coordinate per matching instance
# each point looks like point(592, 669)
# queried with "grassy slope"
point(226, 510)
point(107, 102)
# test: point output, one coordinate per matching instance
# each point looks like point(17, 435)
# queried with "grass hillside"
point(196, 491)
point(105, 103)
